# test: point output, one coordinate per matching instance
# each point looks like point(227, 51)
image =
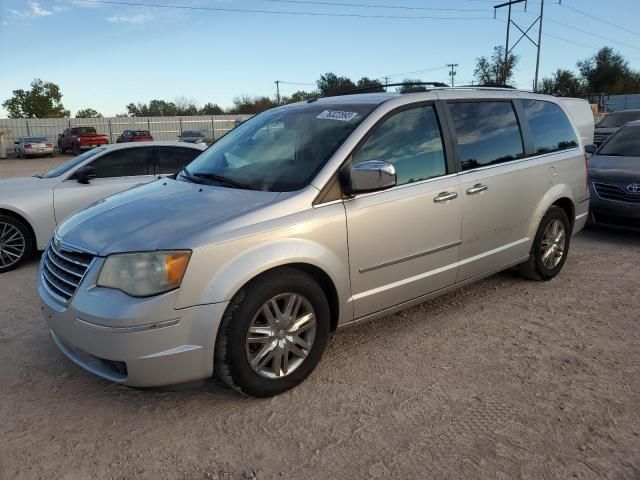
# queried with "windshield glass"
point(35, 139)
point(190, 133)
point(280, 150)
point(618, 119)
point(66, 166)
point(624, 143)
point(141, 133)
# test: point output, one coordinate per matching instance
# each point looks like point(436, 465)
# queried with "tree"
point(563, 83)
point(407, 84)
point(245, 104)
point(185, 106)
point(43, 100)
point(211, 109)
point(155, 108)
point(88, 113)
point(370, 85)
point(494, 72)
point(330, 84)
point(608, 72)
point(299, 96)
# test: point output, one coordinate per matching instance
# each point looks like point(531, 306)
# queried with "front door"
point(116, 171)
point(404, 242)
point(500, 187)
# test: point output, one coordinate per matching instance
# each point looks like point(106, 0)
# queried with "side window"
point(125, 162)
point(550, 127)
point(410, 140)
point(487, 133)
point(172, 159)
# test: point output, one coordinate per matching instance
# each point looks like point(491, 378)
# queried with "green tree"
point(608, 72)
point(563, 83)
point(245, 104)
point(494, 71)
point(371, 85)
point(88, 113)
point(330, 84)
point(155, 108)
point(407, 84)
point(42, 100)
point(211, 109)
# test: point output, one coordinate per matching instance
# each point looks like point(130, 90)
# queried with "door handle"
point(477, 188)
point(445, 197)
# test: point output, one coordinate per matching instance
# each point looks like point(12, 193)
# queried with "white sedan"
point(32, 207)
point(33, 147)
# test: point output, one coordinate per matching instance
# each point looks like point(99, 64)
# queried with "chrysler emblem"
point(634, 188)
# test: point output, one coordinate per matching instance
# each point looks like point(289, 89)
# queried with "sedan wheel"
point(281, 335)
point(13, 245)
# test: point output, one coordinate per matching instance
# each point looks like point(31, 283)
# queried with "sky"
point(105, 56)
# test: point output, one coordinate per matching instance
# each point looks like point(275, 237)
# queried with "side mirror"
point(590, 149)
point(371, 176)
point(84, 174)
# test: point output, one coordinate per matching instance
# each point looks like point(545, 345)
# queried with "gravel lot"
point(504, 379)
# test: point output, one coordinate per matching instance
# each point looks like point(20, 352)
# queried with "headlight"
point(144, 274)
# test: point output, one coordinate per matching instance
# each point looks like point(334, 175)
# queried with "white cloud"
point(135, 19)
point(38, 11)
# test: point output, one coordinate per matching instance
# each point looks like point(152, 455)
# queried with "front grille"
point(63, 270)
point(600, 138)
point(612, 192)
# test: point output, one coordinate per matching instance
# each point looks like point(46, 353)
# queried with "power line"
point(586, 14)
point(412, 73)
point(370, 5)
point(581, 44)
point(566, 25)
point(282, 82)
point(274, 12)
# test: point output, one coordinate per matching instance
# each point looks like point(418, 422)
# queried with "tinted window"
point(624, 143)
point(173, 159)
point(550, 127)
point(411, 141)
point(125, 162)
point(68, 165)
point(83, 131)
point(619, 119)
point(488, 133)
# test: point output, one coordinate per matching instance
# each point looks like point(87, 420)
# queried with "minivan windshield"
point(624, 143)
point(280, 150)
point(66, 166)
point(618, 119)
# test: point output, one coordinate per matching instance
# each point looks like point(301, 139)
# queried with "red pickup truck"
point(80, 138)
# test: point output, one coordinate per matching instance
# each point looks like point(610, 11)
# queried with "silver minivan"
point(309, 218)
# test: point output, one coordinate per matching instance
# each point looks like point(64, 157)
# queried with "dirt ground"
point(504, 379)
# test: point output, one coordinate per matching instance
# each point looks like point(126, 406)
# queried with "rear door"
point(170, 160)
point(500, 186)
point(116, 171)
point(404, 241)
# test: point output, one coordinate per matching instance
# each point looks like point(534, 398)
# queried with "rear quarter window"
point(550, 128)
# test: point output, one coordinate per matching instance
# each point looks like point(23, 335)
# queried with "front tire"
point(273, 333)
point(16, 243)
point(550, 246)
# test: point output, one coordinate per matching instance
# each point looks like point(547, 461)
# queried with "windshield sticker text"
point(337, 115)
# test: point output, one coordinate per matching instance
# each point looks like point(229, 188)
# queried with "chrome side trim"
point(136, 328)
point(410, 257)
point(579, 217)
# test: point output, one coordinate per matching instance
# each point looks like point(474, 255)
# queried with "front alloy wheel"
point(15, 243)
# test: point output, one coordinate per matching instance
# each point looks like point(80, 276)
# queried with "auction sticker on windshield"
point(338, 115)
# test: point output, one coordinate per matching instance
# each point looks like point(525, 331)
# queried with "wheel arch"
point(559, 195)
point(24, 219)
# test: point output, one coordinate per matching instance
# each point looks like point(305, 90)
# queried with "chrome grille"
point(612, 192)
point(63, 270)
point(600, 138)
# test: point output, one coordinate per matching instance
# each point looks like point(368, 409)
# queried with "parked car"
point(309, 218)
point(80, 138)
point(192, 136)
point(614, 173)
point(32, 207)
point(134, 136)
point(612, 122)
point(33, 147)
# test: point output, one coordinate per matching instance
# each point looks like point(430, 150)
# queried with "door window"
point(125, 162)
point(550, 128)
point(487, 133)
point(411, 140)
point(172, 159)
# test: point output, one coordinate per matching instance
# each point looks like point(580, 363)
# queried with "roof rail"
point(380, 89)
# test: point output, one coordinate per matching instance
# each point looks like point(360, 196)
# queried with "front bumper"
point(160, 347)
point(612, 212)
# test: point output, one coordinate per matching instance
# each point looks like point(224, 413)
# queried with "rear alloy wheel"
point(273, 333)
point(15, 243)
point(550, 246)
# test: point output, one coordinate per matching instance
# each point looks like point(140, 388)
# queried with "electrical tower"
point(525, 33)
point(452, 72)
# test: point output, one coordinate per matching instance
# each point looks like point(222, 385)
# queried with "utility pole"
point(525, 34)
point(277, 82)
point(452, 72)
point(386, 82)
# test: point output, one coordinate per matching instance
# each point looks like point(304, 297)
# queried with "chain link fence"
point(161, 128)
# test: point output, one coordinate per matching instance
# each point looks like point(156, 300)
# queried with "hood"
point(19, 185)
point(607, 130)
point(620, 171)
point(157, 216)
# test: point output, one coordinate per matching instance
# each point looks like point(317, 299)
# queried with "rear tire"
point(550, 246)
point(16, 243)
point(60, 149)
point(76, 149)
point(285, 344)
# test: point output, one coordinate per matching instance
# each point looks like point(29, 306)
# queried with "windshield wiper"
point(190, 177)
point(224, 180)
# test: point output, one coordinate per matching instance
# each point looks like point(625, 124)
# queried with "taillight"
point(27, 145)
point(586, 171)
point(49, 145)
